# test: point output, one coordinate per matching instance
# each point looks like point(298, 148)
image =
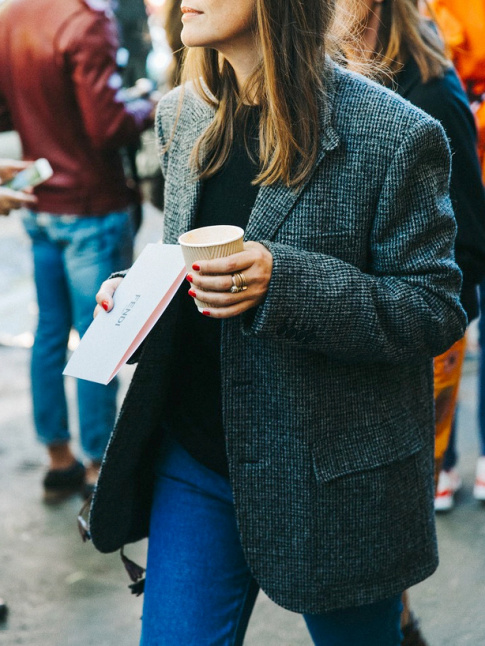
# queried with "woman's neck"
point(244, 61)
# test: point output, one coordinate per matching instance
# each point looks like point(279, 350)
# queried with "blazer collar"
point(188, 187)
point(273, 203)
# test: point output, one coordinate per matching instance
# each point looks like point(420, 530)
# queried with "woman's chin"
point(191, 39)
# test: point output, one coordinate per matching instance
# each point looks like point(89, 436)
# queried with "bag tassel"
point(82, 522)
point(135, 572)
point(137, 588)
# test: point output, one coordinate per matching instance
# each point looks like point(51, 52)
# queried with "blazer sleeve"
point(405, 304)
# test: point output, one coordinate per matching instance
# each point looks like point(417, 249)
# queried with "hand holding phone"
point(33, 175)
point(10, 199)
point(10, 167)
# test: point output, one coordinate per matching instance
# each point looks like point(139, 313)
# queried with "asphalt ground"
point(61, 592)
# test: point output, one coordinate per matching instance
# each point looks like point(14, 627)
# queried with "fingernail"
point(192, 293)
point(206, 312)
point(189, 278)
point(105, 305)
point(195, 267)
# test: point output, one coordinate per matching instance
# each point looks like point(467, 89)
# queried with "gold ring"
point(236, 287)
point(244, 284)
point(238, 283)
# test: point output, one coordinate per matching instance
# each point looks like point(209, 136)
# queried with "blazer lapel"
point(188, 187)
point(274, 203)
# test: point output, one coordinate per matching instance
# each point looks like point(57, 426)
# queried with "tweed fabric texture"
point(327, 386)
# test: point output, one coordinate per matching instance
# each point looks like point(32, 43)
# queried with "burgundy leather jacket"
point(58, 90)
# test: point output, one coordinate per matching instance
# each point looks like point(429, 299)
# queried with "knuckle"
point(225, 283)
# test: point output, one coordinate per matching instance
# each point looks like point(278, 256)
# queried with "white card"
point(139, 301)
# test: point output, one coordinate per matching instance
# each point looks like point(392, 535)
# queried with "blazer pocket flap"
point(363, 449)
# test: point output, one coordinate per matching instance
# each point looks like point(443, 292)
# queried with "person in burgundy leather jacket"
point(59, 90)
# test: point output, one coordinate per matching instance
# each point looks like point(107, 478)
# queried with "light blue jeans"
point(72, 257)
point(199, 590)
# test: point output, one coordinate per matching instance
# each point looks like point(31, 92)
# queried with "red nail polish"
point(192, 293)
point(105, 305)
point(189, 278)
point(206, 312)
point(195, 267)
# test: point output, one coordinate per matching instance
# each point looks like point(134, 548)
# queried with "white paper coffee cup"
point(206, 243)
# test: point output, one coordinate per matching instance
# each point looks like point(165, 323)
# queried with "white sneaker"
point(479, 488)
point(448, 484)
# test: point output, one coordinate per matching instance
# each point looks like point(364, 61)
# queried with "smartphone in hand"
point(34, 175)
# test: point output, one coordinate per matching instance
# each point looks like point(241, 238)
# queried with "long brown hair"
point(287, 85)
point(173, 27)
point(403, 31)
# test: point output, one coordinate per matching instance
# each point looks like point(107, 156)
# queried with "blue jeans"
point(481, 374)
point(451, 455)
point(450, 459)
point(72, 257)
point(199, 590)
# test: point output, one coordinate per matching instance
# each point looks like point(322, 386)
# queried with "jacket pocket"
point(363, 448)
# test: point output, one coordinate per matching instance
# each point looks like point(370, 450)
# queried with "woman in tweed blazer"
point(326, 383)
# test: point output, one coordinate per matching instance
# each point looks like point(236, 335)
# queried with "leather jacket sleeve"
point(91, 57)
point(5, 120)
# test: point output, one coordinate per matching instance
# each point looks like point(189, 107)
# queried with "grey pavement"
point(61, 592)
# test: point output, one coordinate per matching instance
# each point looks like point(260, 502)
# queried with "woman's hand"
point(211, 281)
point(14, 200)
point(10, 167)
point(104, 298)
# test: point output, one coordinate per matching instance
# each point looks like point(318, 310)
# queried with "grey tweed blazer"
point(327, 386)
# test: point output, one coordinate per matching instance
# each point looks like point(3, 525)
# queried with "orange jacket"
point(463, 26)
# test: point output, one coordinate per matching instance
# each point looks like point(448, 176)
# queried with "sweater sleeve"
point(405, 304)
point(445, 100)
